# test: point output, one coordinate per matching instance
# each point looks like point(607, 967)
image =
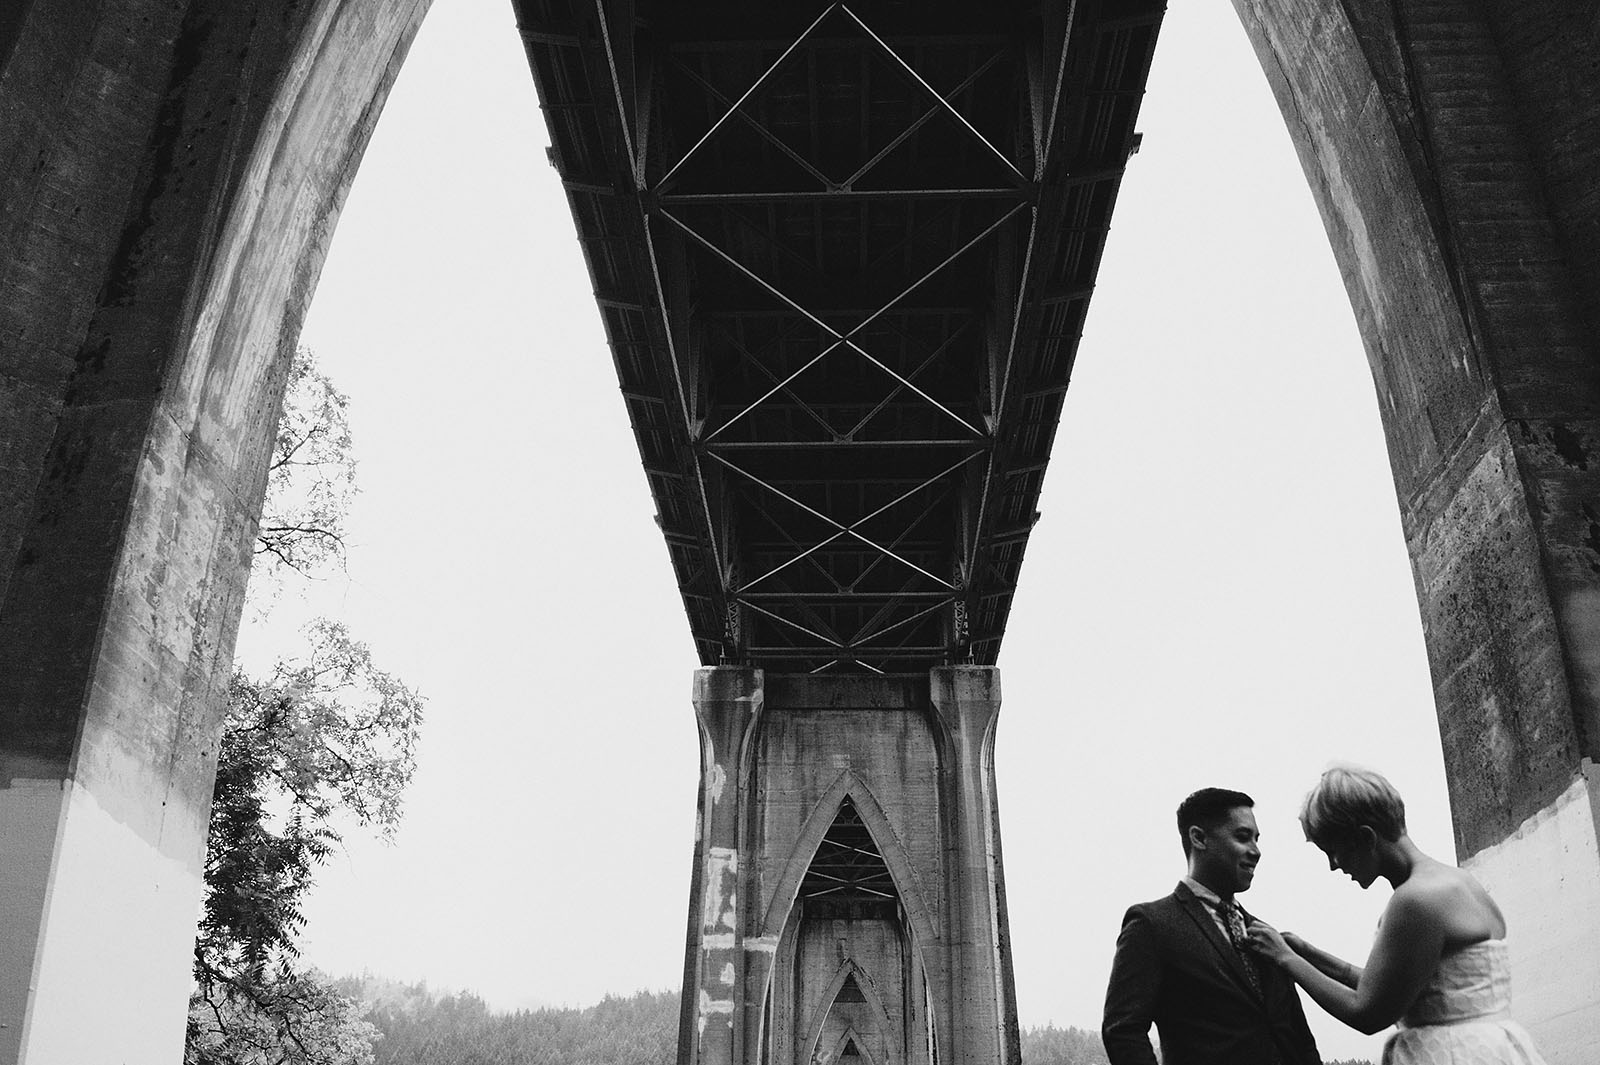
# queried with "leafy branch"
point(324, 738)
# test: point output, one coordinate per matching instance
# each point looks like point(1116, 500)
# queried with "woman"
point(1438, 966)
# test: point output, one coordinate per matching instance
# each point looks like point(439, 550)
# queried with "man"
point(1182, 963)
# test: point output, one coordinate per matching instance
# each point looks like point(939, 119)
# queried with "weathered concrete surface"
point(185, 164)
point(846, 981)
point(914, 756)
point(1558, 918)
point(1452, 148)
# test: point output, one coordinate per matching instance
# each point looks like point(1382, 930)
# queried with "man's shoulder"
point(1166, 905)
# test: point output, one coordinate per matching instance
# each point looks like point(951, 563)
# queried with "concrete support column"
point(967, 702)
point(727, 704)
point(1451, 148)
point(186, 163)
point(781, 966)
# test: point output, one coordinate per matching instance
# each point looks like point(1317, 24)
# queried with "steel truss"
point(843, 272)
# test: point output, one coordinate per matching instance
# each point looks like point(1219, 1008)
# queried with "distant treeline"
point(1062, 1046)
point(420, 1027)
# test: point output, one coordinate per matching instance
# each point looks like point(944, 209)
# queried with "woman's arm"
point(1406, 952)
point(1347, 973)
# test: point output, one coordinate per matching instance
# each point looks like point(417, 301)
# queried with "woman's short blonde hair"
point(1345, 799)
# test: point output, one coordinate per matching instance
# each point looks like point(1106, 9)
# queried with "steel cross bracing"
point(843, 253)
point(848, 874)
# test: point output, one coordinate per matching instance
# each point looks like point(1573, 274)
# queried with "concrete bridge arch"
point(178, 172)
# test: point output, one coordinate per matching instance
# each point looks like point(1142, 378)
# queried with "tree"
point(311, 481)
point(1062, 1046)
point(323, 739)
point(421, 1027)
point(295, 1020)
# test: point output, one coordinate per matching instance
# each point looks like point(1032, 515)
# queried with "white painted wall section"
point(101, 939)
point(1546, 877)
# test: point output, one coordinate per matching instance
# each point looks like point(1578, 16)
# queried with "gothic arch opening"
point(848, 958)
point(852, 1021)
point(864, 809)
point(847, 1050)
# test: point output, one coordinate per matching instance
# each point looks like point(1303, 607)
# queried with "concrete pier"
point(1451, 148)
point(184, 166)
point(847, 887)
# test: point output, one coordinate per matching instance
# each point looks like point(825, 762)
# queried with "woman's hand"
point(1268, 942)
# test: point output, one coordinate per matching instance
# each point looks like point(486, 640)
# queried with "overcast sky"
point(1218, 592)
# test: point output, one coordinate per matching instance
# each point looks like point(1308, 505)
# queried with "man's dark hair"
point(1208, 808)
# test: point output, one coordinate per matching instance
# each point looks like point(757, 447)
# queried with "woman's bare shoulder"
point(1453, 899)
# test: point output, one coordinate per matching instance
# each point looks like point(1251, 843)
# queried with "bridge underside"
point(843, 253)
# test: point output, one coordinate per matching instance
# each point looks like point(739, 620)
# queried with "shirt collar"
point(1201, 892)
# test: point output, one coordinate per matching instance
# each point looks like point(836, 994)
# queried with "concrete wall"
point(186, 163)
point(1556, 918)
point(780, 753)
point(1451, 148)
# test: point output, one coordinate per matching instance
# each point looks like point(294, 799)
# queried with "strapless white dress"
point(1462, 1015)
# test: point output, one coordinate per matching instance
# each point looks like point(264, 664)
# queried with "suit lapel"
point(1200, 914)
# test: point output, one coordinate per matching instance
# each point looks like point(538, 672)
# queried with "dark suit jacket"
point(1174, 968)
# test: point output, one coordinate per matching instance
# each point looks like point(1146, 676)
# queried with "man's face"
point(1224, 858)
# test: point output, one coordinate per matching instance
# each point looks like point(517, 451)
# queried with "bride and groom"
point(1219, 985)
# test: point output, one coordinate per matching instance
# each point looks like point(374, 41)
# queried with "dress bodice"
point(1474, 981)
point(1461, 1017)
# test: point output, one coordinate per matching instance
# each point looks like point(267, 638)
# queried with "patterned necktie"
point(1233, 920)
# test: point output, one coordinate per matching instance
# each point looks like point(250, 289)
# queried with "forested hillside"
point(1062, 1046)
point(420, 1028)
